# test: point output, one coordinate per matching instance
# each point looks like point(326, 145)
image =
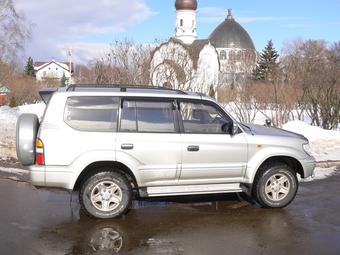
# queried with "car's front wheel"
point(275, 186)
point(105, 195)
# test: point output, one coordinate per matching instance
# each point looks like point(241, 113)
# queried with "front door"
point(209, 155)
point(148, 140)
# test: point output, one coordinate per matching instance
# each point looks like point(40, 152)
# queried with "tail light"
point(39, 152)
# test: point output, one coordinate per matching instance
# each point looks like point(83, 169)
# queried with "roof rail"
point(122, 88)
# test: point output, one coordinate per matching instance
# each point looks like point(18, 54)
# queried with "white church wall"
point(236, 60)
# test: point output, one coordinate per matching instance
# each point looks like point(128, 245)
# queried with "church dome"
point(230, 34)
point(186, 5)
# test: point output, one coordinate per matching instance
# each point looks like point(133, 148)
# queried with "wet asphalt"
point(36, 221)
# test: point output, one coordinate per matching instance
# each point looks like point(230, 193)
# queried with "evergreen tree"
point(63, 81)
point(267, 64)
point(29, 68)
point(13, 102)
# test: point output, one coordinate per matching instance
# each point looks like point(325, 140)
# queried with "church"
point(184, 62)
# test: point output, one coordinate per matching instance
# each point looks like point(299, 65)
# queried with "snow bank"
point(13, 170)
point(8, 119)
point(321, 173)
point(325, 144)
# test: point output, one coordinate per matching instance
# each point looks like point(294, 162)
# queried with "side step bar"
point(193, 189)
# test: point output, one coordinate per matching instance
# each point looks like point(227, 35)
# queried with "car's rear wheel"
point(275, 186)
point(105, 194)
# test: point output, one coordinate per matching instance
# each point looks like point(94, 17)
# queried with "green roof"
point(4, 89)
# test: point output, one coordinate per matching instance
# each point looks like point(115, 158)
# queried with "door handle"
point(127, 146)
point(193, 148)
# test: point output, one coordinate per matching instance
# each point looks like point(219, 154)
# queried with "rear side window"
point(97, 114)
point(147, 116)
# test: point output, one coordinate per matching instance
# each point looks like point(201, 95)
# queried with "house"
point(4, 91)
point(52, 70)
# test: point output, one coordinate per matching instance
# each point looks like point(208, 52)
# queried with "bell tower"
point(186, 21)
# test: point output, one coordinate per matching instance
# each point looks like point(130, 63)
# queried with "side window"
point(223, 55)
point(147, 116)
point(128, 121)
point(201, 117)
point(97, 114)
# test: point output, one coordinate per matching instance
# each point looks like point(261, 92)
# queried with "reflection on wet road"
point(44, 222)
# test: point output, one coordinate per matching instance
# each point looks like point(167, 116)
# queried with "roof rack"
point(123, 88)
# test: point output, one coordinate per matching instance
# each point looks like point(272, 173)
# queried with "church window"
point(223, 55)
point(232, 56)
point(181, 22)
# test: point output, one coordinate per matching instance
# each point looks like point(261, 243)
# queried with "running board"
point(193, 189)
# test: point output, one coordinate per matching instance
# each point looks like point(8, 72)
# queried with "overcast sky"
point(89, 26)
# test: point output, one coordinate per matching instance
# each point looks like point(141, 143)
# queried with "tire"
point(105, 195)
point(275, 186)
point(26, 133)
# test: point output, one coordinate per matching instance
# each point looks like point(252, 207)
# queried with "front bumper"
point(308, 165)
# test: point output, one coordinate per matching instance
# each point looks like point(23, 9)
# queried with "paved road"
point(43, 222)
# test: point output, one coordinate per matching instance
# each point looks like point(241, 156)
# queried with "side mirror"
point(268, 123)
point(229, 128)
point(235, 129)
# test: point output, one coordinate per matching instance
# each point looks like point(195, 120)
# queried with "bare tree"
point(128, 63)
point(172, 66)
point(315, 68)
point(14, 31)
point(241, 102)
point(277, 103)
point(125, 63)
point(24, 87)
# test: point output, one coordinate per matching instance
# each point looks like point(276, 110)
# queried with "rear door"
point(209, 155)
point(86, 124)
point(149, 140)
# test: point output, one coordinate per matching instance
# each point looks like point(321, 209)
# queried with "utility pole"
point(70, 64)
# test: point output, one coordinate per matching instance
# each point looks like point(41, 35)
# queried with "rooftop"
point(230, 34)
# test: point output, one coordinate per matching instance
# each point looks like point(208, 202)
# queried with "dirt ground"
point(36, 221)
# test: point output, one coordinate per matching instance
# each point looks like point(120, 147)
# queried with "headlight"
point(307, 149)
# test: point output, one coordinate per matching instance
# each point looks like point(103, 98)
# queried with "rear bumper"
point(308, 165)
point(51, 176)
point(37, 175)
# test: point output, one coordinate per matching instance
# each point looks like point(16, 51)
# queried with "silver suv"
point(116, 143)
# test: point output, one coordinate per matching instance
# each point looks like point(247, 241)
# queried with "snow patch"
point(321, 173)
point(13, 170)
point(7, 151)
